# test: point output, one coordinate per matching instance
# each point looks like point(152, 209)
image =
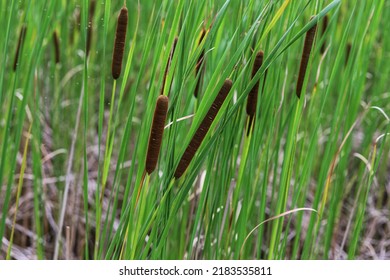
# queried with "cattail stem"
point(22, 36)
point(56, 42)
point(251, 104)
point(168, 66)
point(119, 45)
point(202, 130)
point(305, 58)
point(199, 65)
point(156, 133)
point(324, 27)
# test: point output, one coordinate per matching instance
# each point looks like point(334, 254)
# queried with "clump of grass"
point(156, 133)
point(22, 36)
point(251, 104)
point(119, 45)
point(56, 42)
point(203, 128)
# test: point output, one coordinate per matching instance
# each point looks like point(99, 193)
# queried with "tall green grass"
point(308, 181)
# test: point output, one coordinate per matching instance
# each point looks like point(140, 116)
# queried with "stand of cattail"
point(202, 130)
point(309, 40)
point(156, 133)
point(251, 104)
point(119, 45)
point(22, 36)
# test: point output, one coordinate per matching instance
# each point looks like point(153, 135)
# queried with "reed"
point(22, 36)
point(203, 128)
point(156, 133)
point(309, 40)
point(168, 66)
point(324, 27)
point(119, 45)
point(56, 42)
point(199, 64)
point(251, 104)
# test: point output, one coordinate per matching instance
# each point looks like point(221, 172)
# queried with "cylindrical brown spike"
point(119, 46)
point(252, 96)
point(324, 27)
point(203, 128)
point(305, 58)
point(56, 47)
point(156, 133)
point(22, 35)
point(172, 52)
point(89, 27)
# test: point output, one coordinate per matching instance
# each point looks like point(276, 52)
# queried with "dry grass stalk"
point(199, 65)
point(22, 36)
point(168, 66)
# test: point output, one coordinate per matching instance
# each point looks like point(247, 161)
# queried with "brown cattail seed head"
point(156, 133)
point(305, 58)
point(203, 128)
point(56, 47)
point(252, 96)
point(324, 27)
point(89, 27)
point(119, 45)
point(22, 35)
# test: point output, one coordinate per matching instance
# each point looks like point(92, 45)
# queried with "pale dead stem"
point(271, 219)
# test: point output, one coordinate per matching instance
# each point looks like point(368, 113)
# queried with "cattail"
point(89, 28)
point(74, 24)
point(56, 47)
point(305, 58)
point(199, 64)
point(119, 46)
point(348, 52)
point(202, 130)
point(324, 27)
point(22, 35)
point(172, 52)
point(156, 133)
point(252, 96)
